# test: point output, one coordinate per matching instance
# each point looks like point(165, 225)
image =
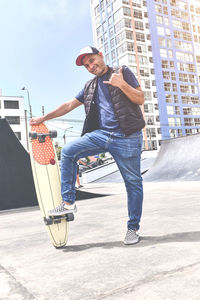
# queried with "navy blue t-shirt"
point(107, 118)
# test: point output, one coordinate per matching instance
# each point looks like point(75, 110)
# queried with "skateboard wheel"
point(48, 221)
point(33, 135)
point(52, 161)
point(70, 217)
point(53, 133)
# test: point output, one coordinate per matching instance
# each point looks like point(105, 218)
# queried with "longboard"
point(46, 175)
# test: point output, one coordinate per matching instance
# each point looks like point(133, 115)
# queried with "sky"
point(39, 43)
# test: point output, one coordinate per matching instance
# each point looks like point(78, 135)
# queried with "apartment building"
point(175, 66)
point(154, 38)
point(12, 108)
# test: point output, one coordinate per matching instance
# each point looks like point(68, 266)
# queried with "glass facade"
point(160, 41)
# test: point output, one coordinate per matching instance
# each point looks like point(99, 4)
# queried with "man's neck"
point(105, 71)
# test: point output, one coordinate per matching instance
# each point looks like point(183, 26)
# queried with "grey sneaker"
point(63, 209)
point(131, 237)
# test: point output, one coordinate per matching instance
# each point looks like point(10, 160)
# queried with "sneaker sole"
point(132, 242)
point(63, 213)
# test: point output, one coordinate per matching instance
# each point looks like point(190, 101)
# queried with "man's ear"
point(101, 54)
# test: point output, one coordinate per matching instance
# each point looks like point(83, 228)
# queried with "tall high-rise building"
point(156, 39)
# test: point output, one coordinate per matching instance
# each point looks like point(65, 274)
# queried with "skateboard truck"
point(57, 219)
point(42, 136)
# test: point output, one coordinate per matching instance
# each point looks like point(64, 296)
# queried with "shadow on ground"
point(145, 241)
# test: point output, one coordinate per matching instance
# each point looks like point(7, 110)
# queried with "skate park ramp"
point(116, 177)
point(177, 160)
point(16, 180)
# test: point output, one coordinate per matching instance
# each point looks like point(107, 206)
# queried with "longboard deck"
point(46, 175)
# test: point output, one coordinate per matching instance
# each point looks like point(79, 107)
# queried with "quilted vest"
point(128, 114)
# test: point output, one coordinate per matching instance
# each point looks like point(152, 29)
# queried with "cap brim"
point(79, 59)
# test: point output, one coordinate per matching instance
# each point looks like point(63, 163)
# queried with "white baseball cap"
point(85, 51)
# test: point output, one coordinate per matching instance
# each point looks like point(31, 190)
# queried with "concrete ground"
point(96, 264)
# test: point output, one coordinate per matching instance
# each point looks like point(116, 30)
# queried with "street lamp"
point(64, 137)
point(29, 103)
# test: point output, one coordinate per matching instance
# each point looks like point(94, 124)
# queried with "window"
point(144, 72)
point(158, 8)
point(98, 30)
point(167, 86)
point(110, 21)
point(96, 10)
point(111, 31)
point(147, 84)
point(171, 65)
point(147, 96)
point(118, 14)
point(140, 37)
point(13, 120)
point(188, 122)
point(177, 110)
point(139, 25)
point(131, 58)
point(130, 47)
point(148, 108)
point(141, 48)
point(11, 104)
point(166, 21)
point(163, 52)
point(175, 98)
point(137, 14)
point(170, 110)
point(113, 54)
point(128, 23)
point(129, 34)
point(174, 87)
point(106, 47)
point(109, 9)
point(165, 64)
point(167, 31)
point(168, 98)
point(169, 43)
point(166, 75)
point(173, 76)
point(143, 60)
point(112, 43)
point(160, 30)
point(159, 19)
point(165, 10)
point(178, 121)
point(127, 11)
point(151, 132)
point(171, 121)
point(149, 120)
point(121, 49)
point(170, 53)
point(120, 37)
point(119, 25)
point(162, 41)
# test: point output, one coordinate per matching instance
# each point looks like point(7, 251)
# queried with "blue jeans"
point(125, 150)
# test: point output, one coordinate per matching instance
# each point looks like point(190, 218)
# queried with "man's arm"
point(136, 95)
point(58, 112)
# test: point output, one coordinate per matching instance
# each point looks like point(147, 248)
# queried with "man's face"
point(95, 64)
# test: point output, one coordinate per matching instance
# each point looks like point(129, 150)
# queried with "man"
point(113, 123)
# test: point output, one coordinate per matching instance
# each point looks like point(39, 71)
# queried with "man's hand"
point(37, 121)
point(116, 79)
point(135, 95)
